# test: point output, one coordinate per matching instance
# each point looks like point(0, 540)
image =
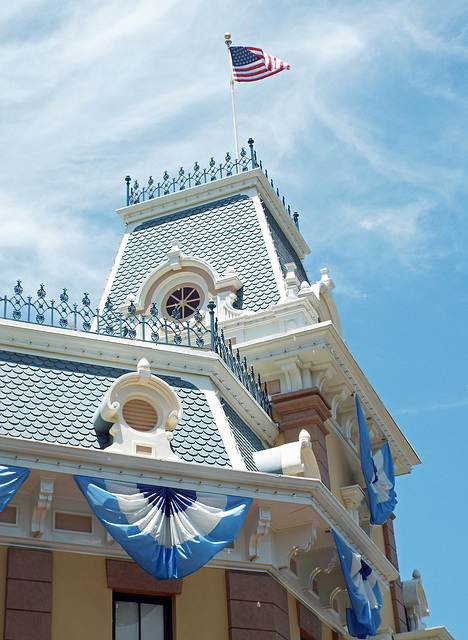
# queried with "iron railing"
point(242, 371)
point(137, 194)
point(197, 176)
point(115, 321)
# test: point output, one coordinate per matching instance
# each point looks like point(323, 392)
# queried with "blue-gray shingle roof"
point(284, 249)
point(223, 233)
point(247, 441)
point(52, 400)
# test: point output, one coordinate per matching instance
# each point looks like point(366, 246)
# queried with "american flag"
point(250, 63)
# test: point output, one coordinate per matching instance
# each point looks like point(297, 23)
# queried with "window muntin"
point(187, 298)
point(141, 618)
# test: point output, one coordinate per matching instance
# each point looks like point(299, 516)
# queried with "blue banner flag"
point(363, 618)
point(378, 473)
point(169, 532)
point(11, 479)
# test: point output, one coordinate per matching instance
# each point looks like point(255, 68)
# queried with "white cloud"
point(105, 88)
point(438, 406)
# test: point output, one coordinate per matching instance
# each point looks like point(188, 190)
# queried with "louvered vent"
point(139, 414)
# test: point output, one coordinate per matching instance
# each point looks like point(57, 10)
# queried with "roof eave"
point(249, 183)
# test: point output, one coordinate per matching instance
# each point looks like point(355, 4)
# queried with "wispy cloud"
point(100, 89)
point(438, 406)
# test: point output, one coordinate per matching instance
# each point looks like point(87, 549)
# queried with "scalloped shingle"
point(47, 399)
point(224, 233)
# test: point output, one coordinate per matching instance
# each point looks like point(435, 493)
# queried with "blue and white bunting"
point(378, 473)
point(363, 618)
point(11, 479)
point(169, 532)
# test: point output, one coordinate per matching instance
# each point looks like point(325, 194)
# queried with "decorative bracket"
point(42, 498)
point(289, 459)
point(291, 281)
point(353, 497)
point(263, 529)
point(293, 541)
point(415, 602)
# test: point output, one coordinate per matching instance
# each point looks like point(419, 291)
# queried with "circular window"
point(140, 414)
point(187, 299)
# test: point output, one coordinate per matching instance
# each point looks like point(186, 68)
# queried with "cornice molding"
point(53, 342)
point(248, 183)
point(304, 340)
point(59, 459)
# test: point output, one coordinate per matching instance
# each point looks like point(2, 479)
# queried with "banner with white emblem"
point(11, 479)
point(169, 532)
point(363, 591)
point(378, 473)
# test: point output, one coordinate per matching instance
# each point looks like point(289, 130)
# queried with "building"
point(213, 373)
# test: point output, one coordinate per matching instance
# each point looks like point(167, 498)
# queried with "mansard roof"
point(220, 224)
point(224, 233)
point(53, 400)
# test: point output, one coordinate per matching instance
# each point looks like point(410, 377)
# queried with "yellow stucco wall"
point(82, 602)
point(344, 468)
point(201, 611)
point(3, 563)
point(293, 623)
point(327, 633)
point(79, 585)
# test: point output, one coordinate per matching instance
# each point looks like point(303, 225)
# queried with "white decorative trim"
point(353, 497)
point(289, 459)
point(415, 601)
point(179, 270)
point(270, 247)
point(309, 496)
point(248, 183)
point(263, 529)
point(224, 429)
point(305, 341)
point(54, 342)
point(291, 281)
point(294, 541)
point(42, 501)
point(109, 416)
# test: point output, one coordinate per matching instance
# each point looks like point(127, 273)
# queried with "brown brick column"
point(28, 600)
point(257, 607)
point(399, 612)
point(306, 409)
point(309, 624)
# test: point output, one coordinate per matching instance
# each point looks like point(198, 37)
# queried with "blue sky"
point(365, 137)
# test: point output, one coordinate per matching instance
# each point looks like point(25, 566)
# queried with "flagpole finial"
point(227, 39)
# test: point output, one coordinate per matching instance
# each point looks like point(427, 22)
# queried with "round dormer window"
point(186, 298)
point(139, 414)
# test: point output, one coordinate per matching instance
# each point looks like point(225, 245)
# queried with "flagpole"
point(228, 41)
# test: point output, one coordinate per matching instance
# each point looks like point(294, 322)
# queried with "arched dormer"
point(139, 411)
point(190, 283)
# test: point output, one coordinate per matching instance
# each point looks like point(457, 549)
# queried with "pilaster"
point(257, 607)
point(28, 602)
point(306, 409)
point(399, 612)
